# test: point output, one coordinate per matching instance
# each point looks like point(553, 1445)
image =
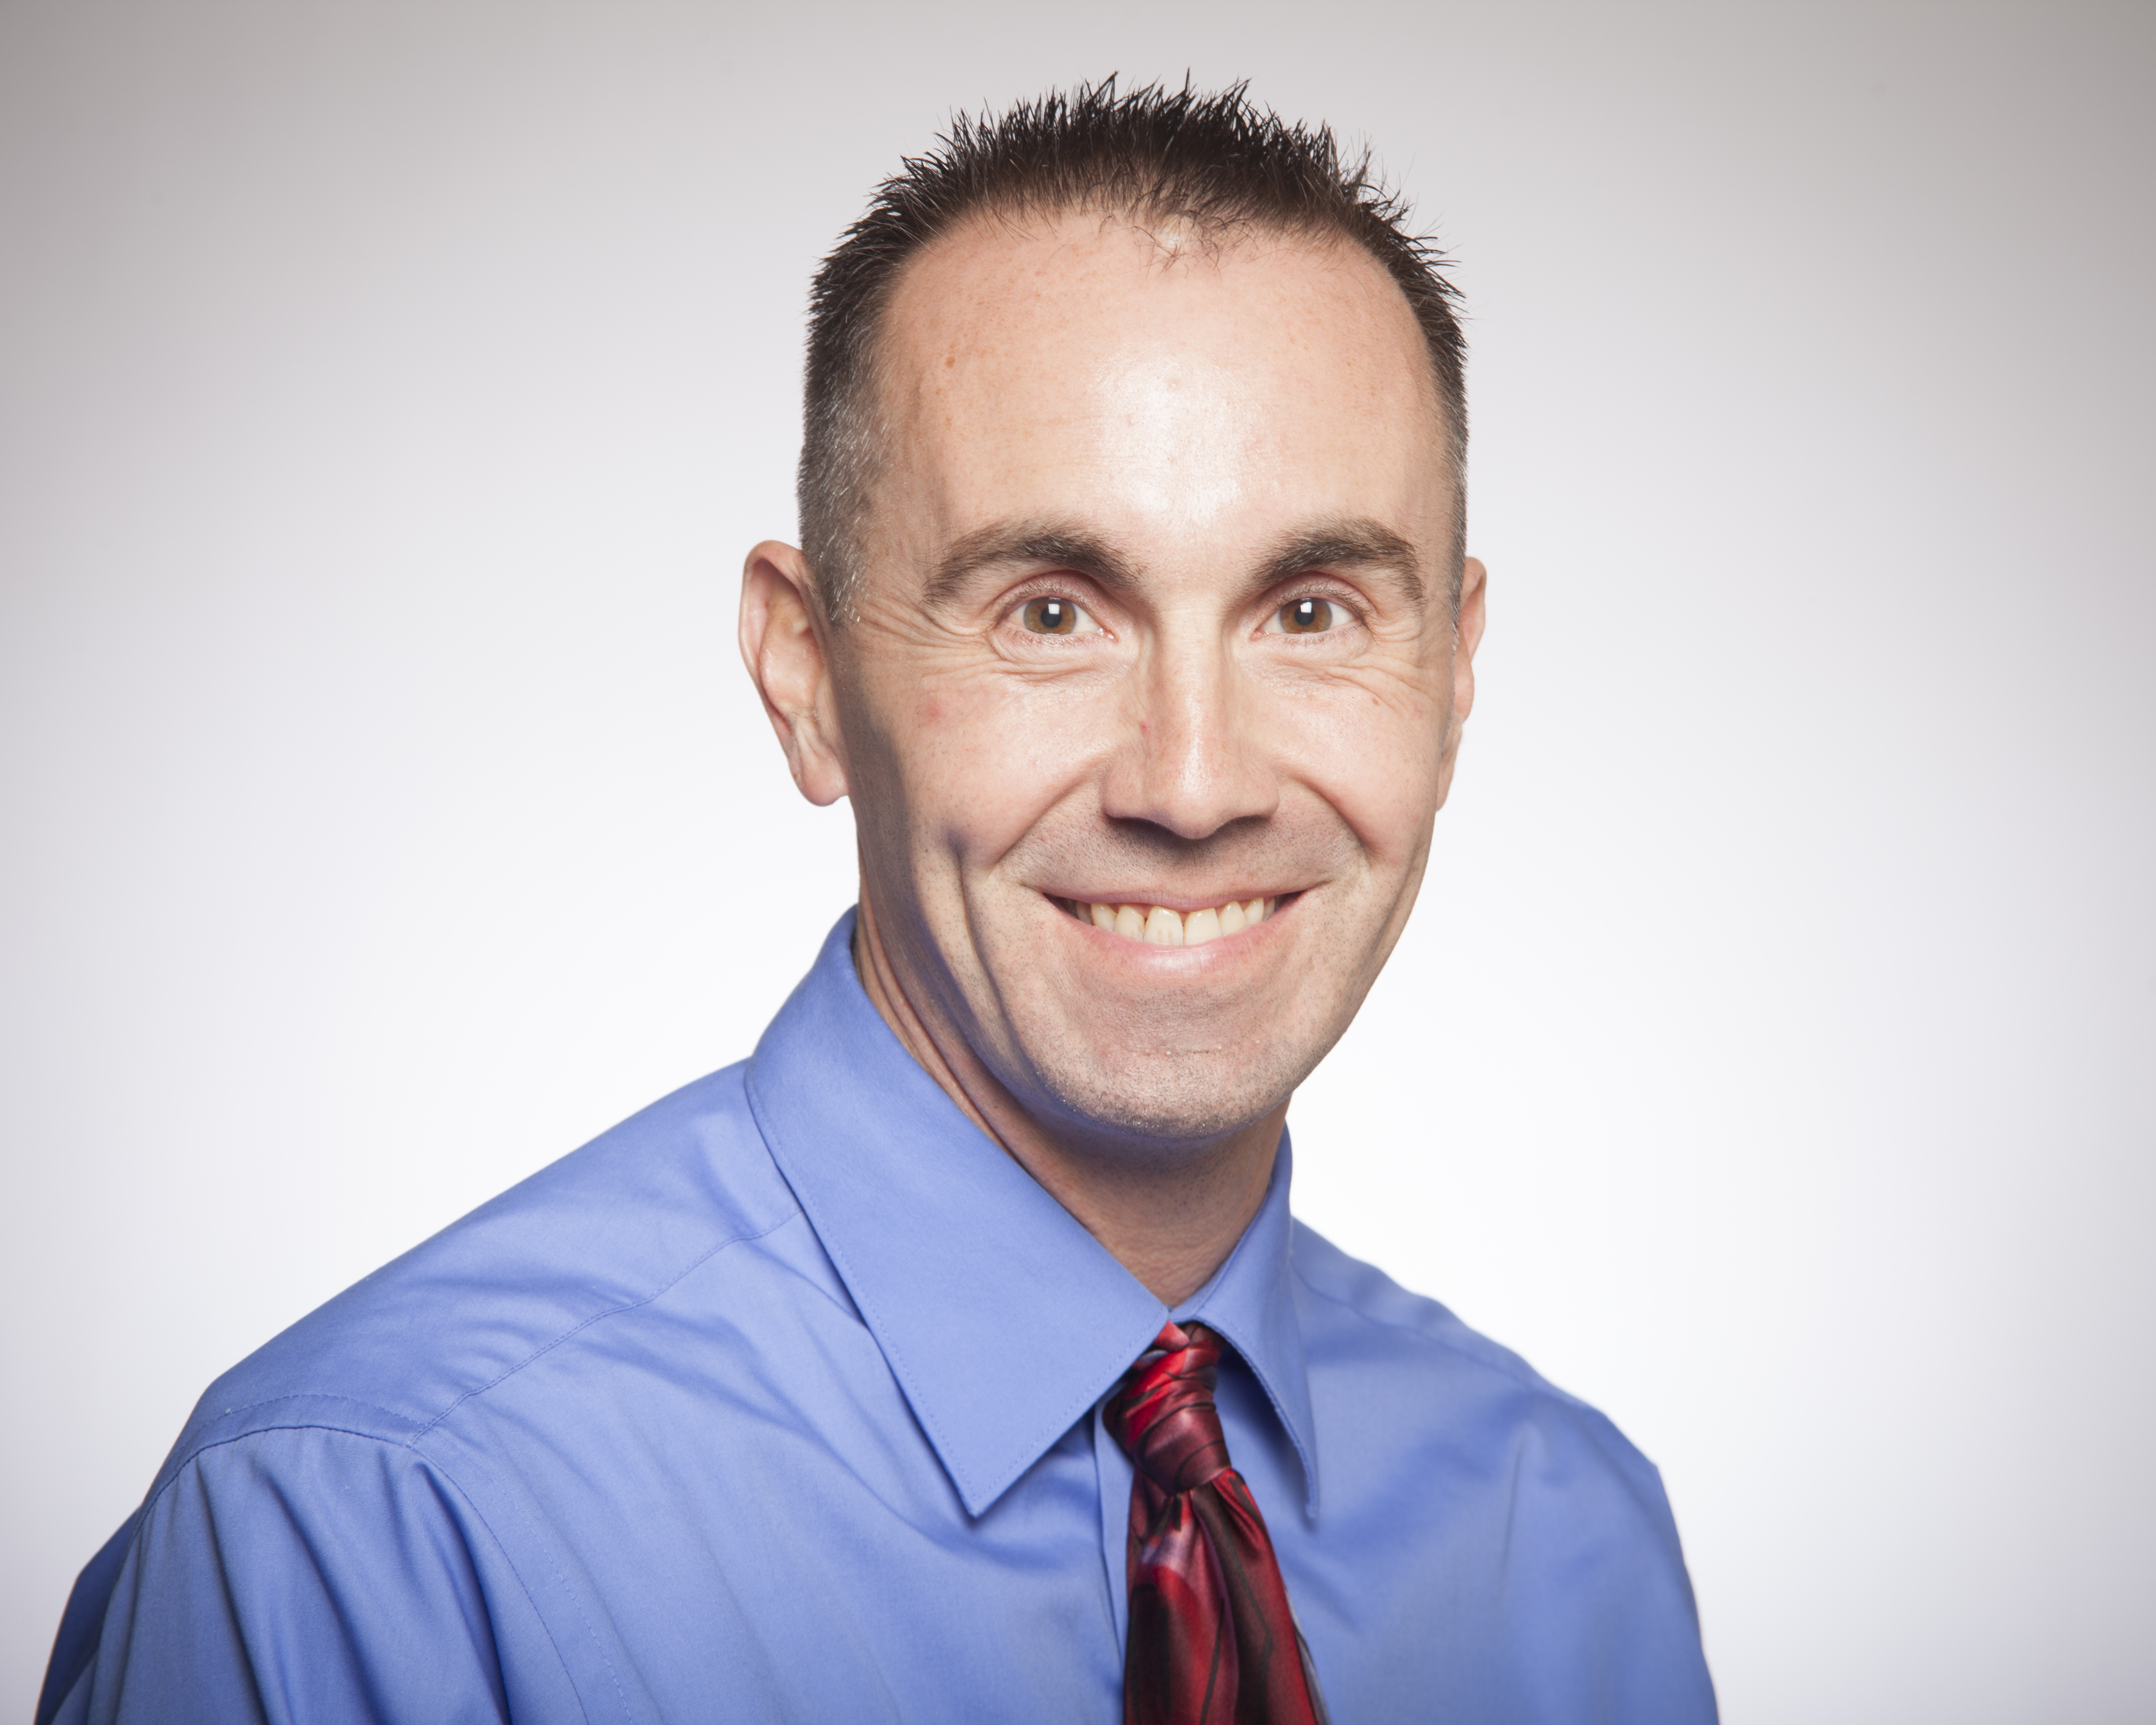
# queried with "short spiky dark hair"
point(1218, 165)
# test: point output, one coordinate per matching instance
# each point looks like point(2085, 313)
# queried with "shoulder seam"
point(579, 1328)
point(1533, 1379)
point(1602, 1426)
point(420, 1427)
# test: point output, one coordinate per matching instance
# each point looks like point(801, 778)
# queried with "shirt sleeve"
point(310, 1575)
point(1625, 1647)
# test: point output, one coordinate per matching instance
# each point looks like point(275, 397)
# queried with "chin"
point(1169, 1099)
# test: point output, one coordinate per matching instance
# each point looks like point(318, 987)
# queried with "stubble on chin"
point(1169, 1072)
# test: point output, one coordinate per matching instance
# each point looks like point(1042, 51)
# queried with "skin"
point(1182, 443)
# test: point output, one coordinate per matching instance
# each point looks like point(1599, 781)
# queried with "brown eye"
point(1306, 617)
point(1050, 616)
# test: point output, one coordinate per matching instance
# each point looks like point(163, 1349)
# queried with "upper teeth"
point(1158, 926)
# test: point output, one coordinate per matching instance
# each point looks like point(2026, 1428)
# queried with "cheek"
point(983, 763)
point(1377, 760)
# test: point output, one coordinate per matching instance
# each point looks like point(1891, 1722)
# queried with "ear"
point(783, 644)
point(1466, 637)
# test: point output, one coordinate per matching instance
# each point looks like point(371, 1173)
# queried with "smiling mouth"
point(1158, 926)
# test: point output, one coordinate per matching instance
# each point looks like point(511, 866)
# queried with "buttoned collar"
point(1003, 1319)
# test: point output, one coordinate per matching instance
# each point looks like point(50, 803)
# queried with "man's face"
point(1154, 618)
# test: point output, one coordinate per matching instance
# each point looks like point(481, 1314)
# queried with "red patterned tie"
point(1211, 1639)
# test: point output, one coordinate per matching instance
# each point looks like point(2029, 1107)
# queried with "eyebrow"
point(1362, 545)
point(1342, 544)
point(1005, 542)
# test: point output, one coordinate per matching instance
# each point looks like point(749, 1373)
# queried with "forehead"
point(1076, 364)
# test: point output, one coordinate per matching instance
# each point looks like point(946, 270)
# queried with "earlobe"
point(782, 645)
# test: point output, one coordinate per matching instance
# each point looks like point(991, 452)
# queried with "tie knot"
point(1163, 1415)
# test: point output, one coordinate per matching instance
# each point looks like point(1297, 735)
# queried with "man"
point(956, 1356)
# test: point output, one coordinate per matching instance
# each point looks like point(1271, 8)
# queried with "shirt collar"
point(1003, 1319)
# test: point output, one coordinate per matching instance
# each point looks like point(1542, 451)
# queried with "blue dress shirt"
point(782, 1401)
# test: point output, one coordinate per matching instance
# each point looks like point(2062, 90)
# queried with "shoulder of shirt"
point(607, 1229)
point(1368, 1293)
point(1410, 1329)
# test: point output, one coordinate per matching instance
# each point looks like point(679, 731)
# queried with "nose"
point(1190, 760)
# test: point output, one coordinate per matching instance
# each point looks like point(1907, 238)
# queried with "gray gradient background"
point(388, 393)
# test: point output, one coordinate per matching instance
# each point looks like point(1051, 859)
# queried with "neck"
point(1170, 1219)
